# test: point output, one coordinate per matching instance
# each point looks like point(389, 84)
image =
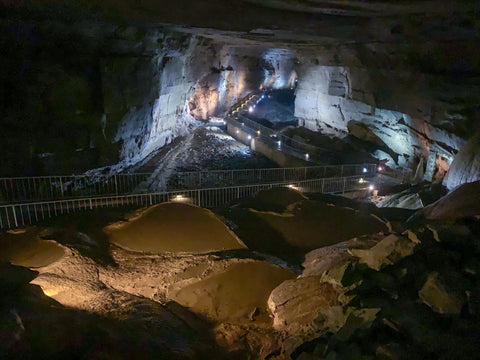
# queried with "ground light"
point(249, 137)
point(361, 181)
point(180, 198)
point(380, 168)
point(371, 188)
point(250, 109)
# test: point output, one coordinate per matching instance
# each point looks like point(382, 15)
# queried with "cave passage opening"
point(275, 110)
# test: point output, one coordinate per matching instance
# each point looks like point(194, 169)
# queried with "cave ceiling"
point(435, 41)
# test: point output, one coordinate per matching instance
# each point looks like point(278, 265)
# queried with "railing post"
point(61, 186)
point(116, 184)
point(341, 171)
point(344, 183)
point(150, 199)
point(14, 216)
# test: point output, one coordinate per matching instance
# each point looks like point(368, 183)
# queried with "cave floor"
point(206, 148)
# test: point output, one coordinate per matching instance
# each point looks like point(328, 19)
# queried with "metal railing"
point(273, 138)
point(216, 178)
point(19, 215)
point(43, 188)
point(21, 189)
point(276, 140)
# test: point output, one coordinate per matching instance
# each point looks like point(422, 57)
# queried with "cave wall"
point(195, 81)
point(340, 100)
point(87, 86)
point(89, 94)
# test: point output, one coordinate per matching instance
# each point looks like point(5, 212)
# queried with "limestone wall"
point(329, 98)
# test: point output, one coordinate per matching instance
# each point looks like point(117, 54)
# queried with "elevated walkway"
point(273, 144)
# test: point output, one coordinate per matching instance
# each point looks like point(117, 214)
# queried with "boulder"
point(319, 261)
point(386, 252)
point(465, 167)
point(296, 303)
point(404, 200)
point(463, 201)
point(440, 300)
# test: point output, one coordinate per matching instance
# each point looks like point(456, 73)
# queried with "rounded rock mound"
point(239, 292)
point(173, 227)
point(25, 248)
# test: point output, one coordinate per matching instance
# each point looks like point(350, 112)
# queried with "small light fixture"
point(249, 137)
point(371, 188)
point(279, 143)
point(307, 156)
point(180, 198)
point(361, 181)
point(237, 131)
point(364, 170)
point(258, 132)
point(250, 109)
point(380, 168)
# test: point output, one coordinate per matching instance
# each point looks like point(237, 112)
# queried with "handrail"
point(19, 215)
point(277, 144)
point(26, 189)
point(254, 124)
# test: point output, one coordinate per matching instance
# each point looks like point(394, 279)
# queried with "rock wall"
point(92, 94)
point(336, 99)
point(200, 81)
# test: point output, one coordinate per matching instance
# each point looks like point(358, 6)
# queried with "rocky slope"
point(176, 280)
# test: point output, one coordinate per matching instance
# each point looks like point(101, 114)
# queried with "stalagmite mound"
point(240, 292)
point(173, 227)
point(289, 225)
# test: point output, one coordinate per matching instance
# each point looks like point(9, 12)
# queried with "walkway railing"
point(22, 189)
point(216, 178)
point(275, 140)
point(19, 215)
point(46, 188)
